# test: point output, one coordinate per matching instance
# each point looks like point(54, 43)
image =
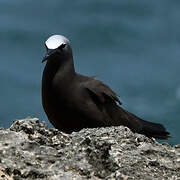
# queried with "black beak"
point(49, 53)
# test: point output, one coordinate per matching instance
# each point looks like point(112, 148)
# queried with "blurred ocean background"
point(133, 46)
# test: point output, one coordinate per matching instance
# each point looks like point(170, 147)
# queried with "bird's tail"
point(155, 130)
point(120, 116)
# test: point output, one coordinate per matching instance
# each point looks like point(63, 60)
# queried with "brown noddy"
point(73, 101)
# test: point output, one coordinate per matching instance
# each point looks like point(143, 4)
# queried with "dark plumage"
point(73, 101)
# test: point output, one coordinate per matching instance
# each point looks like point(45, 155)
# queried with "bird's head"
point(57, 46)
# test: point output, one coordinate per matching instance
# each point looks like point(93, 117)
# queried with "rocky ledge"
point(30, 150)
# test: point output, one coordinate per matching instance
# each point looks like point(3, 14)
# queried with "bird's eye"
point(62, 46)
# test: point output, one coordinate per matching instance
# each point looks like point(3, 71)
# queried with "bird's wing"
point(102, 92)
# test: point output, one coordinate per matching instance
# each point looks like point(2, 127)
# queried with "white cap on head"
point(55, 41)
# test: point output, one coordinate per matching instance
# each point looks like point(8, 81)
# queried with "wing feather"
point(102, 91)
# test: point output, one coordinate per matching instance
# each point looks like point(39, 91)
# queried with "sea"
point(131, 45)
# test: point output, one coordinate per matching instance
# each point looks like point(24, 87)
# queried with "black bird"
point(73, 101)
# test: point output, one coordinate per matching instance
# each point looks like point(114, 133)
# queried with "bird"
point(73, 101)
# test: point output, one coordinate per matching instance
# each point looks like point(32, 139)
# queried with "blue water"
point(133, 46)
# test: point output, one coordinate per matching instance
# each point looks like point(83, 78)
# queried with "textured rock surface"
point(29, 150)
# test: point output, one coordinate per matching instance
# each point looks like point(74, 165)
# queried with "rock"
point(30, 150)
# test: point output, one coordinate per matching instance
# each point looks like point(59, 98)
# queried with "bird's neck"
point(60, 71)
point(66, 71)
